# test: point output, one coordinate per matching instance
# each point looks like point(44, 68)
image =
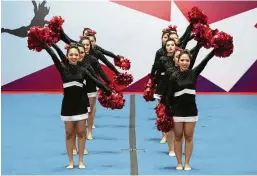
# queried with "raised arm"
point(97, 82)
point(55, 59)
point(188, 30)
point(66, 39)
point(61, 54)
point(107, 53)
point(185, 41)
point(100, 56)
point(194, 51)
point(199, 68)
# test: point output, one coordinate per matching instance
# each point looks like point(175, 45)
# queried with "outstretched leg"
point(20, 32)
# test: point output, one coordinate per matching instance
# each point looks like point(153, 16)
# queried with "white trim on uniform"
point(74, 117)
point(91, 94)
point(85, 82)
point(162, 73)
point(184, 91)
point(185, 119)
point(88, 109)
point(72, 83)
point(157, 96)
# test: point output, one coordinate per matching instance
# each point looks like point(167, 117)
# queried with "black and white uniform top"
point(181, 92)
point(92, 62)
point(75, 101)
point(173, 68)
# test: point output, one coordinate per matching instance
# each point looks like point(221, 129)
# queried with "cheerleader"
point(172, 69)
point(181, 99)
point(90, 60)
point(161, 66)
point(75, 101)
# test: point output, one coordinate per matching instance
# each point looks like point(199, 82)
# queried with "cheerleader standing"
point(181, 99)
point(73, 111)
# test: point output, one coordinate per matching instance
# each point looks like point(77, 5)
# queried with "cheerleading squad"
point(82, 75)
point(172, 81)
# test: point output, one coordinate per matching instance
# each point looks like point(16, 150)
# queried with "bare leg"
point(74, 146)
point(81, 132)
point(94, 111)
point(92, 101)
point(178, 131)
point(69, 129)
point(189, 128)
point(171, 143)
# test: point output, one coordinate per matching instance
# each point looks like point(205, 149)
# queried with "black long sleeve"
point(199, 68)
point(92, 72)
point(65, 38)
point(186, 39)
point(158, 55)
point(188, 30)
point(107, 53)
point(104, 76)
point(194, 52)
point(97, 82)
point(55, 59)
point(61, 54)
point(98, 70)
point(100, 56)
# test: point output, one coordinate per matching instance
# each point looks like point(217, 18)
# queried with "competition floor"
point(33, 138)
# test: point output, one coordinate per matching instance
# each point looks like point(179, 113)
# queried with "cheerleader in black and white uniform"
point(75, 101)
point(82, 53)
point(91, 87)
point(181, 99)
point(159, 53)
point(170, 70)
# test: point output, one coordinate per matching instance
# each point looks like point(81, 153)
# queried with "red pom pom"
point(148, 94)
point(164, 124)
point(123, 63)
point(114, 101)
point(55, 25)
point(123, 79)
point(223, 44)
point(203, 34)
point(196, 15)
point(160, 110)
point(38, 37)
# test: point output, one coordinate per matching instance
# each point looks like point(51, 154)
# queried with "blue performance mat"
point(33, 138)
